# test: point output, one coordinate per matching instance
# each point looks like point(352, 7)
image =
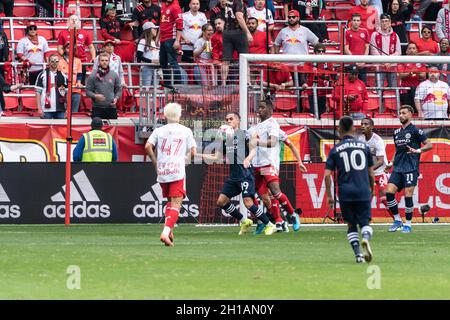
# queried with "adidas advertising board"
point(35, 193)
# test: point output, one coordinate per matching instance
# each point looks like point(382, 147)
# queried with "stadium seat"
point(18, 28)
point(71, 8)
point(11, 102)
point(24, 8)
point(28, 97)
point(342, 10)
point(303, 115)
point(45, 29)
point(283, 103)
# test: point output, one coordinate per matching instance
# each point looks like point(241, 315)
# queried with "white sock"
point(166, 231)
point(408, 223)
point(397, 217)
point(243, 219)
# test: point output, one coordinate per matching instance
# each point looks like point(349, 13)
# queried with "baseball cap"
point(149, 25)
point(109, 6)
point(109, 41)
point(353, 68)
point(31, 24)
point(294, 13)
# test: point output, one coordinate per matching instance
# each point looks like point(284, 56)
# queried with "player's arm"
point(330, 200)
point(252, 153)
point(150, 150)
point(390, 163)
point(296, 155)
point(427, 147)
point(379, 163)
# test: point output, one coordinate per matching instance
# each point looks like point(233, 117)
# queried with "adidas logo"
point(82, 195)
point(155, 203)
point(7, 210)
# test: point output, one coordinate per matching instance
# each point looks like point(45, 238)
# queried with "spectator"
point(357, 43)
point(4, 48)
point(411, 74)
point(63, 66)
point(377, 4)
point(218, 11)
point(318, 78)
point(51, 88)
point(294, 39)
point(121, 6)
point(443, 22)
point(146, 11)
point(83, 41)
point(148, 52)
point(400, 12)
point(5, 88)
point(355, 99)
point(444, 45)
point(259, 44)
point(385, 42)
point(115, 63)
point(370, 18)
point(217, 39)
point(259, 13)
point(103, 87)
point(203, 5)
point(422, 10)
point(44, 8)
point(7, 7)
point(270, 6)
point(111, 25)
point(432, 97)
point(171, 29)
point(193, 21)
point(203, 55)
point(31, 50)
point(95, 145)
point(426, 45)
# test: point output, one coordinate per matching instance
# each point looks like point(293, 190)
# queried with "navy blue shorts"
point(232, 188)
point(356, 212)
point(404, 179)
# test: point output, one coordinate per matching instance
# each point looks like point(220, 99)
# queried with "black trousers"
point(104, 113)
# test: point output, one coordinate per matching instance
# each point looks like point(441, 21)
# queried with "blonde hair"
point(172, 112)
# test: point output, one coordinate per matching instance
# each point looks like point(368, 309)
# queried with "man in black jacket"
point(5, 87)
point(4, 47)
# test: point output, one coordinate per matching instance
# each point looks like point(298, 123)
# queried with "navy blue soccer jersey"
point(236, 150)
point(404, 137)
point(352, 159)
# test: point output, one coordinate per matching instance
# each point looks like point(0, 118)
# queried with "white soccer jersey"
point(377, 149)
point(266, 156)
point(433, 97)
point(34, 53)
point(172, 142)
point(260, 15)
point(192, 28)
point(295, 41)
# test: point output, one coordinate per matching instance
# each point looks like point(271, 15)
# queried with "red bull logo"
point(195, 27)
point(437, 97)
point(293, 40)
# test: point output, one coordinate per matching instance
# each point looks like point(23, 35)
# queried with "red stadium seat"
point(18, 28)
point(71, 8)
point(303, 115)
point(342, 10)
point(11, 102)
point(45, 29)
point(283, 102)
point(28, 97)
point(24, 8)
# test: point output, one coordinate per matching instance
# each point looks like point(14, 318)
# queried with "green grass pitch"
point(129, 262)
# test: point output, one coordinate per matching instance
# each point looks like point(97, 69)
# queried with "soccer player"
point(272, 204)
point(407, 140)
point(167, 148)
point(239, 153)
point(266, 162)
point(378, 151)
point(353, 161)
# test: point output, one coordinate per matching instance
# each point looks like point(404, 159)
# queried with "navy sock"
point(232, 211)
point(353, 239)
point(409, 208)
point(392, 203)
point(259, 213)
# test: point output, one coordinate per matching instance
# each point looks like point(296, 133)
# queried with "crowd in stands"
point(196, 42)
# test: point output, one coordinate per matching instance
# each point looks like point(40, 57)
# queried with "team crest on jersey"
point(362, 35)
point(80, 36)
point(408, 135)
point(167, 11)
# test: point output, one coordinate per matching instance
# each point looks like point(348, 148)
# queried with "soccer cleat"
point(279, 226)
point(359, 258)
point(166, 240)
point(367, 251)
point(406, 229)
point(395, 226)
point(171, 237)
point(295, 220)
point(259, 228)
point(269, 229)
point(245, 226)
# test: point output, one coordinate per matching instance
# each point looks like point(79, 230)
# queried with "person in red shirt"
point(171, 30)
point(357, 43)
point(259, 43)
point(83, 41)
point(426, 46)
point(355, 94)
point(216, 40)
point(411, 75)
point(370, 17)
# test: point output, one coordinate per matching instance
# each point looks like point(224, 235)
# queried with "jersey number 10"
point(352, 163)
